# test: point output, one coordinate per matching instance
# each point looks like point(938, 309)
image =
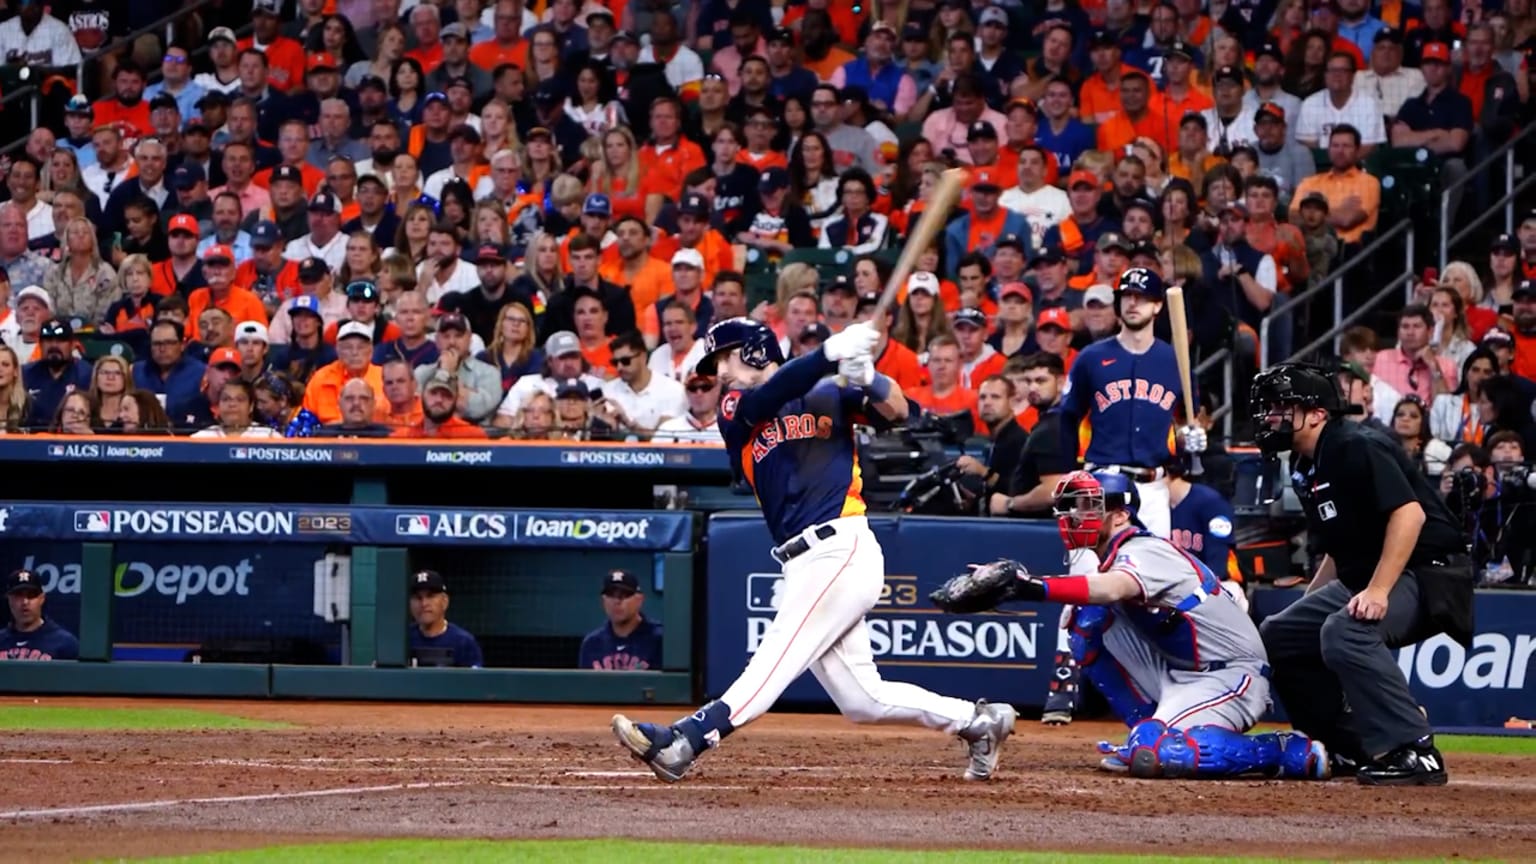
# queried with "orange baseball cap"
point(322, 60)
point(1054, 317)
point(218, 251)
point(1436, 51)
point(223, 357)
point(184, 222)
point(1016, 289)
point(1077, 178)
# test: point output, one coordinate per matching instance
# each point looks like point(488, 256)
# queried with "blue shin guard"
point(1085, 635)
point(1154, 750)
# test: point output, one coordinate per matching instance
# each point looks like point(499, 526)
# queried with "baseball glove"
point(985, 587)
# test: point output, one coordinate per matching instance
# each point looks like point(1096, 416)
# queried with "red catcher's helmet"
point(1083, 501)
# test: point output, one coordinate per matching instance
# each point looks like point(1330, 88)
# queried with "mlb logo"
point(569, 457)
point(238, 452)
point(763, 591)
point(93, 521)
point(414, 525)
point(55, 449)
point(1326, 511)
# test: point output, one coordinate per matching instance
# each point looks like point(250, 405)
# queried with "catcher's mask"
point(1083, 502)
point(1276, 391)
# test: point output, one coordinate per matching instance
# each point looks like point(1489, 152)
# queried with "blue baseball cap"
point(597, 204)
point(265, 235)
point(305, 303)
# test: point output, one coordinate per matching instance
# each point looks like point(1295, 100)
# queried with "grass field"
point(632, 852)
point(59, 719)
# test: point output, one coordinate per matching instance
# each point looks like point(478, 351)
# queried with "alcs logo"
point(468, 526)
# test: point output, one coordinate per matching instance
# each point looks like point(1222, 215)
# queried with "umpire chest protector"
point(1349, 488)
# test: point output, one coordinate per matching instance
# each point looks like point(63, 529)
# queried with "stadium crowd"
point(453, 219)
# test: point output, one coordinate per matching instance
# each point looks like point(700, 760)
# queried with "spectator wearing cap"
point(465, 147)
point(304, 348)
point(441, 409)
point(1243, 280)
point(1041, 205)
point(554, 125)
point(81, 284)
point(694, 232)
point(774, 222)
point(947, 394)
point(668, 156)
point(1053, 332)
point(482, 305)
point(1340, 103)
point(563, 362)
point(890, 90)
point(978, 359)
point(787, 77)
point(284, 56)
point(149, 157)
point(1323, 246)
point(79, 125)
point(1179, 95)
point(30, 636)
point(477, 383)
point(359, 414)
point(1280, 155)
point(456, 64)
point(221, 292)
point(1014, 335)
point(628, 641)
point(287, 210)
point(1100, 319)
point(268, 273)
point(433, 639)
point(182, 272)
point(1503, 275)
point(224, 76)
point(191, 187)
point(986, 225)
point(1353, 196)
point(324, 240)
point(949, 128)
point(1111, 257)
point(364, 306)
point(1439, 119)
point(55, 374)
point(1193, 158)
point(1229, 121)
point(168, 372)
point(1100, 94)
point(857, 228)
point(687, 284)
point(1386, 76)
point(354, 352)
point(252, 342)
point(594, 223)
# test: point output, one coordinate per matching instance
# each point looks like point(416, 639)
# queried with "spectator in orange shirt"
point(354, 352)
point(1054, 333)
point(668, 157)
point(978, 360)
point(427, 27)
point(1099, 97)
point(508, 46)
point(946, 395)
point(222, 293)
point(649, 278)
point(1180, 96)
point(892, 359)
point(694, 232)
point(364, 306)
point(126, 105)
point(592, 331)
point(285, 57)
point(439, 417)
point(1140, 114)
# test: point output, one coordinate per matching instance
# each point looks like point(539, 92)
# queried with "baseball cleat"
point(1056, 718)
point(1114, 765)
point(1416, 764)
point(668, 754)
point(984, 737)
point(1303, 758)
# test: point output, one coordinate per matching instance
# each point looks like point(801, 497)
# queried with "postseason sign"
point(372, 526)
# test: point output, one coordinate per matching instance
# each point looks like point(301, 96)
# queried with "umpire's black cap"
point(620, 583)
point(23, 582)
point(430, 581)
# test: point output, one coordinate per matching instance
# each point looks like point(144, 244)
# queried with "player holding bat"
point(788, 428)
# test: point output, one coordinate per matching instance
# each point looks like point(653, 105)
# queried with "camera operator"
point(1489, 491)
point(994, 404)
point(1041, 463)
point(1471, 492)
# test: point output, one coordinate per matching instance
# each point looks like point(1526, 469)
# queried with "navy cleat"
point(1416, 764)
point(984, 737)
point(668, 754)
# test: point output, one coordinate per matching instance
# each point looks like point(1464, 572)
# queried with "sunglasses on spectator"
point(624, 361)
point(172, 58)
point(700, 387)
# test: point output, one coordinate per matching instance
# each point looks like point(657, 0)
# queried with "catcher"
point(1171, 652)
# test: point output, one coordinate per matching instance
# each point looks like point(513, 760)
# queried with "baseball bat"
point(935, 215)
point(1174, 298)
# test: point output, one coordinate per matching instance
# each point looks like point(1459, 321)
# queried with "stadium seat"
point(829, 263)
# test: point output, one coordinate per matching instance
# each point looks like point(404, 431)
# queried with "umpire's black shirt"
point(1349, 488)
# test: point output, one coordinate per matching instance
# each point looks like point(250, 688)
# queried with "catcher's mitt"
point(984, 587)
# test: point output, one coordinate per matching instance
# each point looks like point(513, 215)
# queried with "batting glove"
point(856, 340)
point(1194, 438)
point(859, 371)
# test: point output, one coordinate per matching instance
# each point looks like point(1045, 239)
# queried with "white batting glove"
point(1194, 438)
point(858, 371)
point(856, 340)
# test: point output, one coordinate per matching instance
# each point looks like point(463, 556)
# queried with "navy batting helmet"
point(1140, 280)
point(758, 345)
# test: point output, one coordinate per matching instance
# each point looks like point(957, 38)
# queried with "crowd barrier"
point(1009, 655)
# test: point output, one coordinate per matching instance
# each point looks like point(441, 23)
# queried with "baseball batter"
point(1171, 652)
point(789, 430)
point(1117, 415)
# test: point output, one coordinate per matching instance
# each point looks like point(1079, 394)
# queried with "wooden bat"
point(935, 215)
point(1174, 300)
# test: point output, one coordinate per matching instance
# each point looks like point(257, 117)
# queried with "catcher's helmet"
point(1140, 280)
point(758, 345)
point(1083, 501)
point(1286, 386)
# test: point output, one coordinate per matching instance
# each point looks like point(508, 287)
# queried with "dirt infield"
point(352, 771)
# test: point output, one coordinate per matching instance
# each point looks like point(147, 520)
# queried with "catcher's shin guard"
point(1215, 752)
point(1085, 633)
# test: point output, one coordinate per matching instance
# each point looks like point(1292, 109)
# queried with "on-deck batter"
point(789, 431)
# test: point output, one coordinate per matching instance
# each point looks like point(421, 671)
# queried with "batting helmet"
point(1286, 386)
point(759, 347)
point(1083, 501)
point(1140, 280)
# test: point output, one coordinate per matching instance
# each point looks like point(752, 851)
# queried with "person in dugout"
point(434, 640)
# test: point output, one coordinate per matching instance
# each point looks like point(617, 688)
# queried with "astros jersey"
point(1202, 526)
point(604, 649)
point(48, 642)
point(802, 464)
point(1182, 613)
point(1120, 405)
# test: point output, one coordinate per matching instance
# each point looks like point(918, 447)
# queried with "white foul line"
point(227, 799)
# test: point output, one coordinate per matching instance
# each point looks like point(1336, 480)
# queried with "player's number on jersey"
point(900, 594)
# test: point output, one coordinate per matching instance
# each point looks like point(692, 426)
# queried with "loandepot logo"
point(603, 530)
point(137, 578)
point(1496, 662)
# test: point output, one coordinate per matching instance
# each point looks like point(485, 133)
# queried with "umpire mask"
point(1277, 391)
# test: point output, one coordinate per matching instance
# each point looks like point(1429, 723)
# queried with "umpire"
point(1393, 571)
